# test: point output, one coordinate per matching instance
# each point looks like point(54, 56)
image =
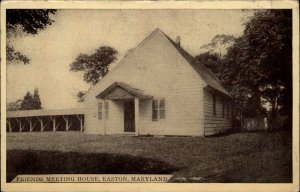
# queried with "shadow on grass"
point(247, 175)
point(54, 162)
point(221, 134)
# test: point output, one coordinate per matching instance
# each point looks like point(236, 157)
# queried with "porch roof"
point(119, 90)
point(44, 112)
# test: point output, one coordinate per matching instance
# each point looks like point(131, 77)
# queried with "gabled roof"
point(203, 71)
point(209, 78)
point(132, 91)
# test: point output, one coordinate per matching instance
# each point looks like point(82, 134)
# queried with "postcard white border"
point(155, 5)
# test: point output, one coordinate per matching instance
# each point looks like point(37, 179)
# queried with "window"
point(214, 105)
point(162, 111)
point(155, 110)
point(106, 110)
point(223, 108)
point(100, 110)
point(228, 110)
point(158, 109)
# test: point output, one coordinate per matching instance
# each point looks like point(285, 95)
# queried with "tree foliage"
point(29, 21)
point(211, 61)
point(13, 55)
point(253, 107)
point(31, 101)
point(80, 95)
point(14, 105)
point(219, 44)
point(94, 66)
point(260, 61)
point(214, 53)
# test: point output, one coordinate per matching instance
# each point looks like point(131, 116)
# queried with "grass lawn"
point(239, 157)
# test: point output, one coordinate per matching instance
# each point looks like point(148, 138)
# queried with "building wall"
point(214, 124)
point(157, 68)
point(115, 121)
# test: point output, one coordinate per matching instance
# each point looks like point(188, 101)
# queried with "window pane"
point(100, 111)
point(162, 104)
point(155, 115)
point(162, 114)
point(154, 110)
point(223, 108)
point(106, 110)
point(228, 111)
point(155, 104)
point(214, 105)
point(106, 105)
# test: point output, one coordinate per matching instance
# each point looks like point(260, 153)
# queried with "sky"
point(53, 49)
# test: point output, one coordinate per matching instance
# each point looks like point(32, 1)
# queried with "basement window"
point(158, 109)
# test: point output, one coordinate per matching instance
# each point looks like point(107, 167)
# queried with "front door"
point(129, 125)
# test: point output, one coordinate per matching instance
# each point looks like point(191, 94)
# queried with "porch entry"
point(129, 119)
point(131, 98)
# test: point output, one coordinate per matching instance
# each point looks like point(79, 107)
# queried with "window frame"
point(214, 105)
point(156, 106)
point(229, 109)
point(162, 108)
point(106, 109)
point(223, 108)
point(100, 112)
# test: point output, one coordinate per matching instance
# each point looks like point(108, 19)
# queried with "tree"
point(80, 95)
point(253, 107)
point(31, 102)
point(14, 105)
point(94, 66)
point(260, 61)
point(210, 60)
point(215, 50)
point(219, 44)
point(27, 102)
point(29, 21)
point(36, 99)
point(13, 55)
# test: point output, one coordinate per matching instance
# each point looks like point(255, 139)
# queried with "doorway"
point(129, 124)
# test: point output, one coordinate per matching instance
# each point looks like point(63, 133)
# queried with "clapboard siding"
point(159, 70)
point(214, 124)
